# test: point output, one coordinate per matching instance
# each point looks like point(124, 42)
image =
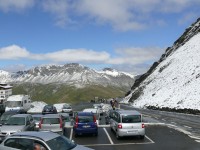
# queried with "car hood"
point(10, 128)
point(80, 147)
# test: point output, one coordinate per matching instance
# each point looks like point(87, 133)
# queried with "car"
point(17, 123)
point(99, 107)
point(109, 115)
point(51, 122)
point(43, 140)
point(37, 118)
point(127, 123)
point(49, 109)
point(67, 109)
point(95, 111)
point(66, 122)
point(85, 123)
point(6, 115)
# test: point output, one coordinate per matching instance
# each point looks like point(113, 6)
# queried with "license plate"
point(135, 131)
point(86, 126)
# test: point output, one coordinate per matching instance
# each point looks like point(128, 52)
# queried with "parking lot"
point(158, 136)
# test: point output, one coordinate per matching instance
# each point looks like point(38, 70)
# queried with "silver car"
point(37, 118)
point(51, 122)
point(43, 140)
point(17, 123)
point(127, 123)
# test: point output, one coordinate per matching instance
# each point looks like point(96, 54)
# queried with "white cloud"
point(59, 8)
point(15, 5)
point(77, 55)
point(13, 52)
point(136, 55)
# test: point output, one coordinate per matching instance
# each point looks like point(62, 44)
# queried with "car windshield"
point(16, 121)
point(36, 118)
point(51, 121)
point(60, 143)
point(13, 103)
point(5, 117)
point(131, 118)
point(85, 119)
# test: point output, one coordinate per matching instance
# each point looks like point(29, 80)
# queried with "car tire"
point(75, 135)
point(117, 136)
point(96, 134)
point(142, 137)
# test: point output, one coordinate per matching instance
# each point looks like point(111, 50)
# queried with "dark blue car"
point(85, 123)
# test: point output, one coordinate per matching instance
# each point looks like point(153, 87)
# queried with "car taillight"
point(61, 123)
point(95, 120)
point(40, 124)
point(143, 125)
point(119, 126)
point(76, 123)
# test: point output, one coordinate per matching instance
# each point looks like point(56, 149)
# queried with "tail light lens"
point(40, 124)
point(143, 125)
point(119, 126)
point(76, 123)
point(95, 121)
point(61, 123)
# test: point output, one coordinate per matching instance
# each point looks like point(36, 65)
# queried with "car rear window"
point(85, 119)
point(131, 118)
point(51, 121)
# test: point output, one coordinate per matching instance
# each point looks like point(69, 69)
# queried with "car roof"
point(37, 115)
point(21, 115)
point(128, 112)
point(11, 112)
point(64, 114)
point(94, 110)
point(43, 135)
point(51, 116)
point(85, 114)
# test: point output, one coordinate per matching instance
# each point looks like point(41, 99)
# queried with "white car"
point(99, 107)
point(64, 108)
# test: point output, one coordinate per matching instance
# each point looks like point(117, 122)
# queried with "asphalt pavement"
point(163, 132)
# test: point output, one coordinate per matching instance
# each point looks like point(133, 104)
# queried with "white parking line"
point(71, 133)
point(149, 139)
point(108, 136)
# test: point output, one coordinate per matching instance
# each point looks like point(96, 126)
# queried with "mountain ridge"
point(70, 74)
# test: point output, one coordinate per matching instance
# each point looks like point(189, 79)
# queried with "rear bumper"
point(131, 132)
point(85, 131)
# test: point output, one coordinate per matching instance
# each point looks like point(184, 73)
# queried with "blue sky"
point(127, 35)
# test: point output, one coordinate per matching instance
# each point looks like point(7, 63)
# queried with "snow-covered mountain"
point(71, 74)
point(174, 80)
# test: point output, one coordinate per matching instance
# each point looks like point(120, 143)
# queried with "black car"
point(49, 109)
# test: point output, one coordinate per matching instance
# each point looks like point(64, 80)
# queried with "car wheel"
point(117, 136)
point(96, 134)
point(142, 137)
point(75, 135)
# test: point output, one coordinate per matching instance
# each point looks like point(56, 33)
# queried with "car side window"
point(20, 143)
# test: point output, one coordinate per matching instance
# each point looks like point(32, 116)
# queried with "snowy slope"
point(175, 83)
point(174, 80)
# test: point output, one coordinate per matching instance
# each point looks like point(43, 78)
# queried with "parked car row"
point(28, 131)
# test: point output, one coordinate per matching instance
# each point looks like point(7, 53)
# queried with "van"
point(127, 123)
point(18, 102)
